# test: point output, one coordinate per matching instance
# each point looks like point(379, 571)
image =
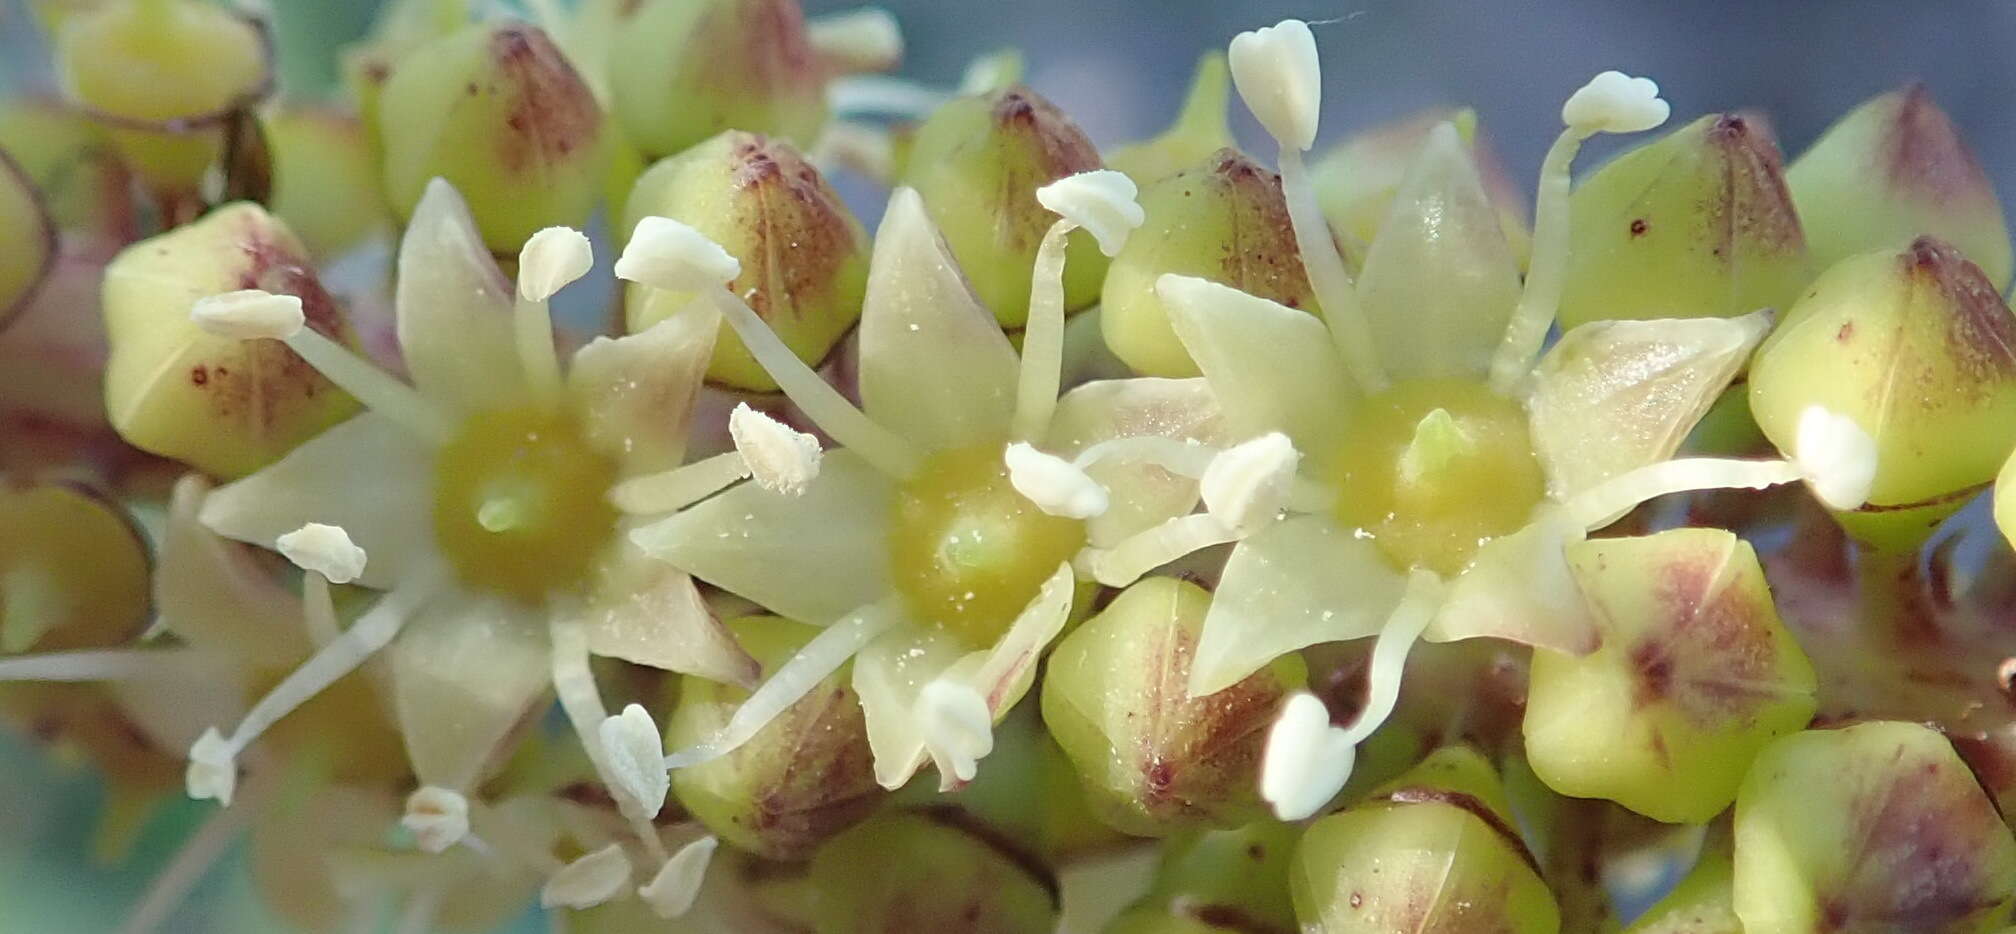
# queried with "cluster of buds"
point(1168, 540)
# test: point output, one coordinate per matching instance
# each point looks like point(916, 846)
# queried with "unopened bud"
point(688, 70)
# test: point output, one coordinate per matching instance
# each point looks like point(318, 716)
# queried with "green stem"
point(1893, 608)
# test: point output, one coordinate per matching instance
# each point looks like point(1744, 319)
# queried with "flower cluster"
point(1323, 546)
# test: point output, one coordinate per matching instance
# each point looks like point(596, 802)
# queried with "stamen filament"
point(372, 386)
point(532, 328)
point(882, 96)
point(679, 487)
point(92, 664)
point(819, 400)
point(1335, 291)
point(1183, 458)
point(581, 700)
point(1043, 338)
point(318, 609)
point(1604, 503)
point(1546, 273)
point(812, 664)
point(1389, 653)
point(1147, 550)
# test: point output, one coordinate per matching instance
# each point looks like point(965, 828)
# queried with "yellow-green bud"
point(498, 112)
point(804, 777)
point(1695, 224)
point(222, 405)
point(929, 871)
point(1891, 170)
point(1919, 351)
point(977, 162)
point(1153, 759)
point(684, 70)
point(81, 182)
point(1357, 180)
point(325, 181)
point(31, 251)
point(1223, 220)
point(1200, 129)
point(804, 255)
point(1236, 879)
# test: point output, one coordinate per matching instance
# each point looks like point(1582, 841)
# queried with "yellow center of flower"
point(519, 503)
point(967, 550)
point(1434, 468)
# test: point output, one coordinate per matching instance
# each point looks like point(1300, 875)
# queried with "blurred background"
point(1120, 68)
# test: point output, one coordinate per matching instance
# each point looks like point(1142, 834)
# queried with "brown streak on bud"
point(1917, 867)
point(1254, 258)
point(1925, 153)
point(1981, 333)
point(1002, 844)
point(553, 114)
point(1061, 149)
point(1419, 794)
point(1754, 181)
point(802, 233)
point(1713, 660)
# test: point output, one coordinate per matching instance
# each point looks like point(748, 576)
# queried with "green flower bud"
point(1918, 349)
point(1153, 759)
point(31, 254)
point(325, 179)
point(1422, 860)
point(1876, 827)
point(225, 406)
point(1695, 673)
point(685, 70)
point(498, 112)
point(1223, 879)
point(804, 255)
point(1891, 170)
point(804, 777)
point(162, 75)
point(926, 871)
point(1695, 224)
point(1223, 220)
point(1200, 129)
point(1357, 180)
point(977, 162)
point(81, 182)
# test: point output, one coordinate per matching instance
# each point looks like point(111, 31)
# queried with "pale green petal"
point(1142, 494)
point(1519, 588)
point(811, 558)
point(890, 672)
point(647, 612)
point(635, 394)
point(455, 309)
point(368, 475)
point(1440, 281)
point(935, 367)
point(1273, 368)
point(1303, 580)
point(465, 673)
point(209, 593)
point(1613, 396)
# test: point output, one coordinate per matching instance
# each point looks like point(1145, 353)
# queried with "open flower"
point(935, 545)
point(479, 493)
point(1412, 470)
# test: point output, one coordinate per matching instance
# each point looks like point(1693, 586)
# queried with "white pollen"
point(1280, 79)
point(1614, 102)
point(552, 259)
point(780, 459)
point(1248, 484)
point(437, 816)
point(588, 881)
point(1307, 761)
point(1837, 458)
point(958, 727)
point(1055, 485)
point(666, 254)
point(672, 891)
point(213, 768)
point(324, 549)
point(634, 751)
point(1100, 201)
point(249, 314)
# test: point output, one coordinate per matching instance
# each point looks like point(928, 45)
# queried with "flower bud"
point(804, 256)
point(977, 162)
point(31, 254)
point(82, 184)
point(1895, 168)
point(1916, 349)
point(220, 404)
point(929, 871)
point(1695, 224)
point(1235, 879)
point(1224, 221)
point(1357, 179)
point(685, 70)
point(804, 777)
point(499, 112)
point(1153, 759)
point(1868, 828)
point(1695, 673)
point(162, 75)
point(74, 570)
point(325, 179)
point(1200, 129)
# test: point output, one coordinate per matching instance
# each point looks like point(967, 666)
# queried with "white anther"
point(588, 881)
point(1055, 485)
point(213, 768)
point(1307, 760)
point(1837, 458)
point(249, 314)
point(1101, 201)
point(780, 459)
point(552, 259)
point(1280, 79)
point(666, 254)
point(672, 891)
point(325, 549)
point(1614, 102)
point(867, 39)
point(957, 726)
point(634, 759)
point(437, 816)
point(1247, 485)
